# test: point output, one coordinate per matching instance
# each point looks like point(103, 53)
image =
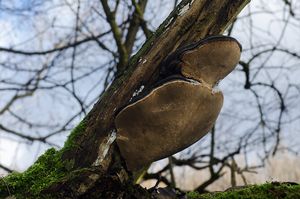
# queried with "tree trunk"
point(94, 166)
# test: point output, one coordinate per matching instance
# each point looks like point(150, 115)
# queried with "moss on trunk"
point(47, 170)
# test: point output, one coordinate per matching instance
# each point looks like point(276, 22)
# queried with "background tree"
point(63, 64)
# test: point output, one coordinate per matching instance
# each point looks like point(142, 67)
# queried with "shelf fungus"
point(182, 107)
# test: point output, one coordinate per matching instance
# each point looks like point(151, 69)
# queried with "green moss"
point(70, 143)
point(265, 191)
point(193, 195)
point(46, 170)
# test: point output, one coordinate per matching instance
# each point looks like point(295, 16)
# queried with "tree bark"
point(97, 168)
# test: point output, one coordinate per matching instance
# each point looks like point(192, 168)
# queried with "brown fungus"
point(211, 61)
point(178, 112)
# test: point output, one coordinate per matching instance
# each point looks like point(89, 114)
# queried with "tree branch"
point(136, 21)
point(111, 19)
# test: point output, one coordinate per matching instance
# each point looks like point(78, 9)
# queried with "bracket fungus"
point(180, 109)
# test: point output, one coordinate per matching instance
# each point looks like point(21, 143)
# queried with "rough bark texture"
point(91, 157)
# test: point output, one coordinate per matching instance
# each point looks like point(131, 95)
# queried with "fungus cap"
point(211, 61)
point(177, 113)
point(170, 118)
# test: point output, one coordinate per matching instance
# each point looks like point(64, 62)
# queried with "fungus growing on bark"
point(182, 108)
